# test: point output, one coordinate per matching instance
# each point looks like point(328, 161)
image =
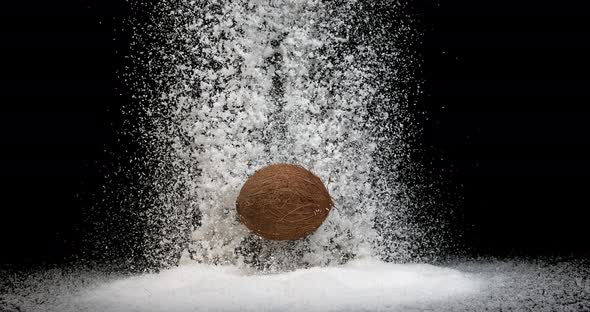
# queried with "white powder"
point(360, 285)
point(261, 82)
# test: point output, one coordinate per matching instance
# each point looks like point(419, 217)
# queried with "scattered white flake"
point(262, 105)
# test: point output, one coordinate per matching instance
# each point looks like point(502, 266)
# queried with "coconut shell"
point(283, 202)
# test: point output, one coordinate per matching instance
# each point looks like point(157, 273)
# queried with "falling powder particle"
point(251, 83)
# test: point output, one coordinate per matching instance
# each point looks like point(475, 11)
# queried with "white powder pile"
point(356, 286)
point(360, 285)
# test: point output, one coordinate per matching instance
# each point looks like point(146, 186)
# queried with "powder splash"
point(244, 84)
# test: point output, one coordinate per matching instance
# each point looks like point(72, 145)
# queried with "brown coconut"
point(283, 202)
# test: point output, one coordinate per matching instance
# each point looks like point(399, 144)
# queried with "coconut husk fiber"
point(283, 202)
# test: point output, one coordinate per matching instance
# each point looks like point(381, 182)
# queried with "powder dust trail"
point(261, 82)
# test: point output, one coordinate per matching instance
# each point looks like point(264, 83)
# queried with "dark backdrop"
point(58, 118)
point(506, 88)
point(507, 85)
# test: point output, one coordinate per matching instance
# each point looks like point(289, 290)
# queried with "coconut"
point(283, 202)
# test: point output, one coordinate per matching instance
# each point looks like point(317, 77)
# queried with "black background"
point(58, 121)
point(506, 89)
point(508, 85)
